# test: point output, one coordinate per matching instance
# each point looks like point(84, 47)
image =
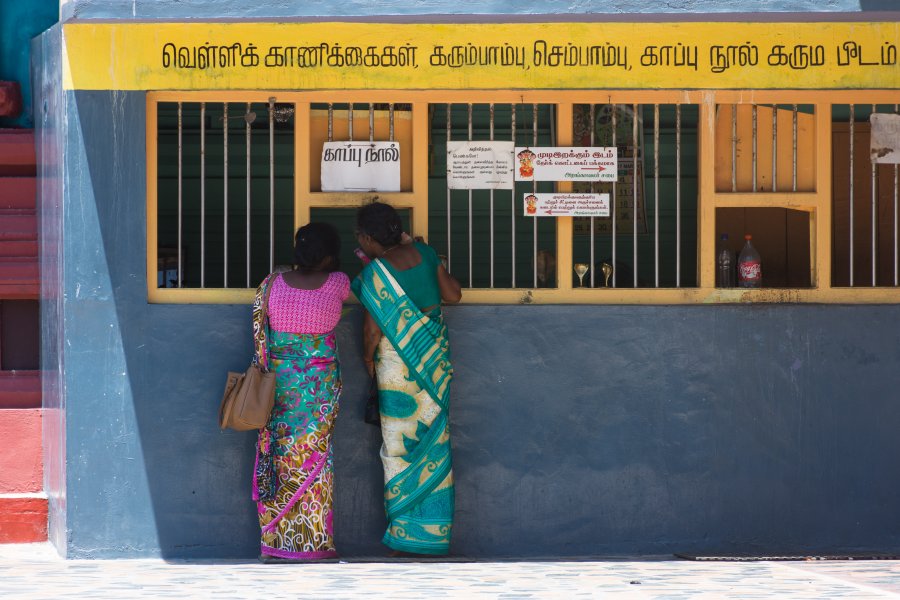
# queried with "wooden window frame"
point(818, 204)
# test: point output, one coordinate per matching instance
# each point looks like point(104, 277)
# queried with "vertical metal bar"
point(513, 204)
point(852, 144)
point(592, 115)
point(755, 141)
point(271, 184)
point(734, 147)
point(225, 192)
point(470, 205)
point(634, 242)
point(534, 142)
point(678, 188)
point(492, 203)
point(248, 193)
point(774, 147)
point(896, 255)
point(874, 216)
point(391, 121)
point(203, 194)
point(350, 121)
point(794, 148)
point(371, 122)
point(615, 200)
point(330, 122)
point(656, 194)
point(449, 249)
point(180, 191)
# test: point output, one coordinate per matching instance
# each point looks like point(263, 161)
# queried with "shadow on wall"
point(155, 475)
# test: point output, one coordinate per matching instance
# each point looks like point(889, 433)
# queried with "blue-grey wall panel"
point(213, 9)
point(50, 127)
point(577, 430)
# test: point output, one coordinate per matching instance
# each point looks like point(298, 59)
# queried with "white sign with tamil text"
point(885, 141)
point(361, 167)
point(480, 165)
point(566, 164)
point(566, 205)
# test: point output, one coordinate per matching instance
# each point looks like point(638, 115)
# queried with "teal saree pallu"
point(414, 373)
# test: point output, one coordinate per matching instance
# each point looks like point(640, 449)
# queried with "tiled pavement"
point(34, 571)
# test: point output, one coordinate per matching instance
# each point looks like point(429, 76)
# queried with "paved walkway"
point(34, 571)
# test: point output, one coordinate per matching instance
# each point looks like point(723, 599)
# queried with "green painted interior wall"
point(19, 23)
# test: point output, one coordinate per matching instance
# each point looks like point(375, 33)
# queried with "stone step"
point(17, 225)
point(19, 193)
point(19, 280)
point(17, 157)
point(23, 518)
point(18, 390)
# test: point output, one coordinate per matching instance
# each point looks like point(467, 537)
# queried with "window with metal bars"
point(768, 152)
point(864, 199)
point(650, 237)
point(230, 181)
point(224, 192)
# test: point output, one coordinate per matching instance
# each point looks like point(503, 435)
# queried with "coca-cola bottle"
point(749, 266)
point(724, 264)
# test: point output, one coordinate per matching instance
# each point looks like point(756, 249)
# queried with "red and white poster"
point(566, 164)
point(566, 205)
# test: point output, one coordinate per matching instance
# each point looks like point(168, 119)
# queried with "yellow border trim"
point(340, 55)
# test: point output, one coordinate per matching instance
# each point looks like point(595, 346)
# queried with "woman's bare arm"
point(371, 338)
point(451, 292)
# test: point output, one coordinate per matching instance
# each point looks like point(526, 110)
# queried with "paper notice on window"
point(361, 167)
point(885, 144)
point(566, 205)
point(479, 165)
point(566, 164)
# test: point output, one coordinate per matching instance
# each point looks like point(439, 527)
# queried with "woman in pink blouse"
point(293, 479)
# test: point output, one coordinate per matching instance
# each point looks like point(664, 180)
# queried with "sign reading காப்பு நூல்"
point(292, 56)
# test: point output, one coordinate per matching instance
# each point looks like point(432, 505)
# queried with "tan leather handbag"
point(249, 397)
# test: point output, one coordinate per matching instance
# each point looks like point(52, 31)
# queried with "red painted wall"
point(23, 507)
point(20, 452)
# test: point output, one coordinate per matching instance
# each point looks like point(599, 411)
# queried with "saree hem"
point(414, 547)
point(269, 551)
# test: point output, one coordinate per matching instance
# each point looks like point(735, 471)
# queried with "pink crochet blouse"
point(308, 311)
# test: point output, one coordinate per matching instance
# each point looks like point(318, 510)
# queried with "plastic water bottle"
point(724, 265)
point(749, 266)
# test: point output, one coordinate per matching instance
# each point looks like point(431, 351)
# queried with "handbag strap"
point(261, 322)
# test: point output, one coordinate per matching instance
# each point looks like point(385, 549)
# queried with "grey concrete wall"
point(213, 9)
point(50, 132)
point(577, 430)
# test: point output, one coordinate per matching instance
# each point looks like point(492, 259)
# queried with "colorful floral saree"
point(297, 522)
point(414, 372)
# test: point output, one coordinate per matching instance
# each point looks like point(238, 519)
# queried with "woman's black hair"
point(381, 222)
point(315, 242)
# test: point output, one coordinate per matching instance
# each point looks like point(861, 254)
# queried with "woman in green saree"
point(405, 346)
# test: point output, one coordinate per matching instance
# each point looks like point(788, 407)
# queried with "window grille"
point(232, 175)
point(224, 192)
point(864, 200)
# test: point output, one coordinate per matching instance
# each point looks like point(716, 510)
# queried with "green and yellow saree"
point(413, 369)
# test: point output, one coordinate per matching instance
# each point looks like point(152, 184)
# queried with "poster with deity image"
point(627, 193)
